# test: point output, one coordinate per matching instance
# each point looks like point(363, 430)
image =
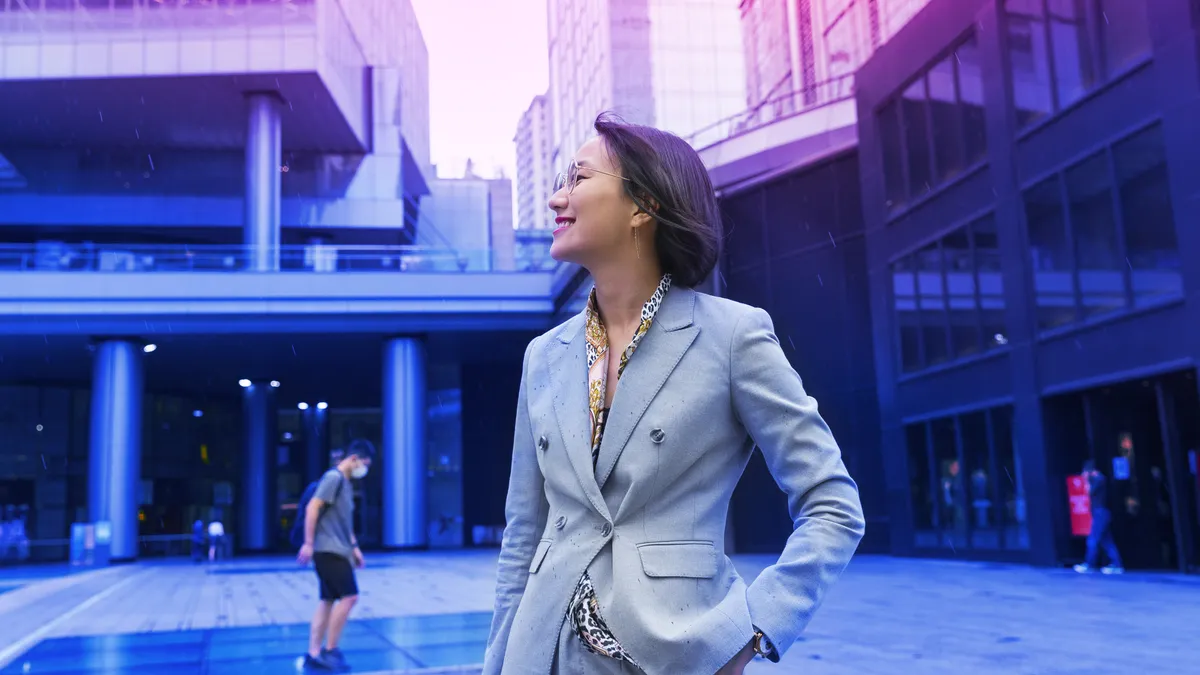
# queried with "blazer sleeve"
point(805, 461)
point(525, 512)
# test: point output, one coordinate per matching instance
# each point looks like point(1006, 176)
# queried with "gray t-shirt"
point(336, 524)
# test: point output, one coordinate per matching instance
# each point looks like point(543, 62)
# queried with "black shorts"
point(336, 575)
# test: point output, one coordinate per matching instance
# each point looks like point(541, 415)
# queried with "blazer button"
point(561, 522)
point(543, 443)
point(658, 435)
point(606, 530)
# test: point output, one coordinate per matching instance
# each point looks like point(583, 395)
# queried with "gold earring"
point(636, 245)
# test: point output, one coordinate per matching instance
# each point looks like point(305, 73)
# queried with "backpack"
point(296, 536)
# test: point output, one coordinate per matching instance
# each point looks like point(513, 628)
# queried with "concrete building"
point(675, 64)
point(535, 167)
point(1009, 206)
point(472, 216)
point(210, 276)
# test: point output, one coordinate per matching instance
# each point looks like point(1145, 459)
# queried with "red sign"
point(1081, 505)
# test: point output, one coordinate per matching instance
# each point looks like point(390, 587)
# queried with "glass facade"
point(934, 130)
point(1061, 50)
point(675, 64)
point(948, 297)
point(1102, 233)
point(965, 483)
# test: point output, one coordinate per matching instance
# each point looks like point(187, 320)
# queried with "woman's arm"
point(525, 515)
point(805, 461)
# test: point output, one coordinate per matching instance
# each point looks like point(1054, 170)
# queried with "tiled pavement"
point(430, 610)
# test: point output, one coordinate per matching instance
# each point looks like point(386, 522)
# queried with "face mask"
point(358, 472)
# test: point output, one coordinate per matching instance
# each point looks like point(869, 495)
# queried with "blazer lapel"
point(568, 373)
point(660, 351)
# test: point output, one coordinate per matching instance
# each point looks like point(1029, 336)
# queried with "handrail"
point(774, 109)
point(56, 256)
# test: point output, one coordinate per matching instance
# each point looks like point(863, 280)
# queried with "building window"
point(949, 297)
point(1059, 50)
point(934, 129)
point(965, 485)
point(1102, 233)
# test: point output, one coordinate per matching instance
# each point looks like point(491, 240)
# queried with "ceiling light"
point(243, 383)
point(149, 348)
point(302, 405)
point(275, 384)
point(322, 405)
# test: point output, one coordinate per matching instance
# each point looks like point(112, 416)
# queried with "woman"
point(613, 556)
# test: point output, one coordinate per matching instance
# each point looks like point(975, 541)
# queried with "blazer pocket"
point(688, 559)
point(539, 555)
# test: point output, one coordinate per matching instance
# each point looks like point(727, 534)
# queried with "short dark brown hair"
point(668, 180)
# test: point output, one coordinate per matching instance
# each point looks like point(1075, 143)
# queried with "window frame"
point(936, 184)
point(1097, 56)
point(945, 537)
point(987, 349)
point(1107, 147)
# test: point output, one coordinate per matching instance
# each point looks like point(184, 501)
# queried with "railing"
point(41, 551)
point(49, 16)
point(318, 258)
point(775, 109)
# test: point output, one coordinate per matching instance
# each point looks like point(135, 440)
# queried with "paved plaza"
point(429, 613)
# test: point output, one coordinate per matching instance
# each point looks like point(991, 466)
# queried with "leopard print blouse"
point(585, 609)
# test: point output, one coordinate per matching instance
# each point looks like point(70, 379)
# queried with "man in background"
point(330, 543)
point(1100, 535)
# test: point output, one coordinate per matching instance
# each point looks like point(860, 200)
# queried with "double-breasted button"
point(560, 523)
point(606, 529)
point(658, 435)
point(543, 443)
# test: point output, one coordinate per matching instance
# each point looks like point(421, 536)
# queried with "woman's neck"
point(620, 295)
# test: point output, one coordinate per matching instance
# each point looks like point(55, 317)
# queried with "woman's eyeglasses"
point(570, 179)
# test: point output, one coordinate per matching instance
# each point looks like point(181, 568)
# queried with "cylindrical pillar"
point(403, 456)
point(264, 157)
point(115, 443)
point(316, 443)
point(256, 514)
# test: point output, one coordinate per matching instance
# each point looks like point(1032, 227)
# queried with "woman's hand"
point(738, 663)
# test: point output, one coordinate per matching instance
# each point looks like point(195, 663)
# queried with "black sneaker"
point(317, 664)
point(335, 659)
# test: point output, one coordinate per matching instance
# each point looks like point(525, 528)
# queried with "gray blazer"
point(707, 384)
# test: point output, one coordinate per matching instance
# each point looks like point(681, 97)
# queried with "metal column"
point(256, 499)
point(403, 456)
point(264, 157)
point(115, 443)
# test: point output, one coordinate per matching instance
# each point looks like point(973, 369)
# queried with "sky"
point(487, 60)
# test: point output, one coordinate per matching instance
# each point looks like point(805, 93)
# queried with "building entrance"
point(1144, 436)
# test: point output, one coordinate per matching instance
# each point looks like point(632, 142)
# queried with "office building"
point(1033, 166)
point(675, 64)
point(473, 216)
point(535, 168)
point(208, 219)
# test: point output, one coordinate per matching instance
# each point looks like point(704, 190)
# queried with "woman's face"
point(595, 219)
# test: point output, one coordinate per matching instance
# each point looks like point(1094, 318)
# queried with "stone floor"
point(425, 612)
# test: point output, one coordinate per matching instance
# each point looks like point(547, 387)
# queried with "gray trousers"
point(572, 658)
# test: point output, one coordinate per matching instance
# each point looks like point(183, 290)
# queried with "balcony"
point(57, 288)
point(173, 73)
point(779, 135)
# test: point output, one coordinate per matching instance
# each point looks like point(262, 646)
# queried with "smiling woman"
point(631, 543)
point(650, 175)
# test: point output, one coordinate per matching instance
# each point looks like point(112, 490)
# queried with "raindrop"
point(820, 281)
point(1129, 263)
point(44, 459)
point(101, 113)
point(293, 350)
point(793, 344)
point(831, 240)
point(151, 162)
point(137, 133)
